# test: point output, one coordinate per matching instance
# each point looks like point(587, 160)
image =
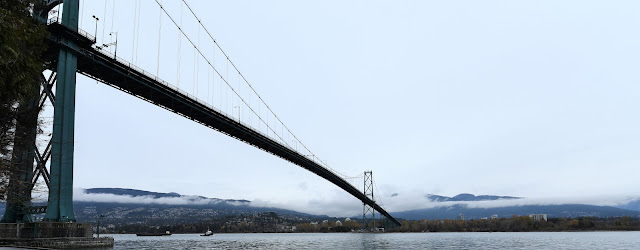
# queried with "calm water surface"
point(535, 240)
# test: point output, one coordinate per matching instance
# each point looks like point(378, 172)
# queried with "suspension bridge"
point(73, 50)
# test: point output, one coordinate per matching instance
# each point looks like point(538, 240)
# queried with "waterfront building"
point(538, 217)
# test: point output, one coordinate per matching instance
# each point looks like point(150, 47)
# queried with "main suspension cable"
point(251, 86)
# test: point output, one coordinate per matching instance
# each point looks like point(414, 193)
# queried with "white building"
point(338, 223)
point(494, 217)
point(538, 217)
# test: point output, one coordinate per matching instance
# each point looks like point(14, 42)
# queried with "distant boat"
point(167, 233)
point(207, 233)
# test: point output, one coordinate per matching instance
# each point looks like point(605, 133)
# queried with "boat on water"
point(207, 233)
point(167, 233)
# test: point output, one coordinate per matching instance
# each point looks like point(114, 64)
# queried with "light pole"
point(35, 226)
point(115, 54)
point(99, 218)
point(95, 36)
point(238, 112)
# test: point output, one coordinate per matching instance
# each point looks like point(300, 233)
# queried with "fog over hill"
point(433, 206)
point(138, 204)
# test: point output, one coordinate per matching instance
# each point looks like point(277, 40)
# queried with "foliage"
point(21, 64)
point(521, 224)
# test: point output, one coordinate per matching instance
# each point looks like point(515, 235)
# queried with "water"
point(533, 240)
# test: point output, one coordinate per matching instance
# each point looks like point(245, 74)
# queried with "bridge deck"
point(124, 76)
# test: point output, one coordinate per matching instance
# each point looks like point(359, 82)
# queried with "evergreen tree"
point(21, 64)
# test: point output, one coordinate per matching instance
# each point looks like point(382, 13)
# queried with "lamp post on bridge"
point(95, 36)
point(115, 55)
point(238, 112)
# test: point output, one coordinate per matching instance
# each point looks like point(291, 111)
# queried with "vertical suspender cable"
point(213, 78)
point(105, 17)
point(193, 79)
point(226, 92)
point(208, 83)
point(221, 90)
point(133, 42)
point(138, 29)
point(159, 39)
point(198, 66)
point(179, 46)
point(113, 17)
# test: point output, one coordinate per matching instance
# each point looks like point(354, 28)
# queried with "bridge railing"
point(150, 75)
point(80, 31)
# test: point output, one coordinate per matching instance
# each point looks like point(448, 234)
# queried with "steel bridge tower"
point(368, 212)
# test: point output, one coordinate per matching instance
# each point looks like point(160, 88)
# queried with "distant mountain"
point(131, 206)
point(569, 210)
point(131, 192)
point(634, 205)
point(468, 197)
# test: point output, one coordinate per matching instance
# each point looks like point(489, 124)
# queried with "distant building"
point(494, 217)
point(325, 222)
point(461, 217)
point(314, 223)
point(347, 219)
point(484, 218)
point(538, 217)
point(338, 223)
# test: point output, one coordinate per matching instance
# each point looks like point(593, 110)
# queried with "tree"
point(21, 64)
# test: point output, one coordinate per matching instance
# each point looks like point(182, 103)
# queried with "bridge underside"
point(130, 79)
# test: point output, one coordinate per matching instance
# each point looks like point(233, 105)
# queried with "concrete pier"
point(51, 235)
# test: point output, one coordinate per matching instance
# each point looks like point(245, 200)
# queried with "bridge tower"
point(60, 149)
point(368, 212)
point(60, 203)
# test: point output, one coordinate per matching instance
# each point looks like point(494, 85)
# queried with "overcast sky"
point(533, 99)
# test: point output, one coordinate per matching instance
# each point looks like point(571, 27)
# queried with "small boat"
point(207, 233)
point(167, 233)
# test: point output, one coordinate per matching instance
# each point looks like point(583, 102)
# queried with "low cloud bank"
point(344, 205)
point(334, 207)
point(413, 202)
point(82, 195)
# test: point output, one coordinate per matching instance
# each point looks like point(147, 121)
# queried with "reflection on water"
point(535, 240)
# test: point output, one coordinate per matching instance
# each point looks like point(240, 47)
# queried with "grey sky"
point(523, 98)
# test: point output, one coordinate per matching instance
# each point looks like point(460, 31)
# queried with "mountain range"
point(138, 206)
point(452, 210)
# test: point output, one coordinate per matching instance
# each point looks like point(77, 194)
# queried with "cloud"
point(333, 207)
point(343, 205)
point(81, 195)
point(417, 201)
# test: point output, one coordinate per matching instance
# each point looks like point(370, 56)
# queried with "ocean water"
point(531, 240)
